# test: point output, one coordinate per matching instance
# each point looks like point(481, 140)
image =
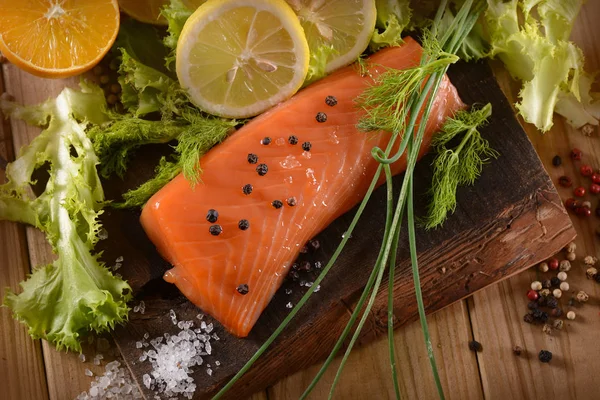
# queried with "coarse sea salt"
point(115, 383)
point(175, 355)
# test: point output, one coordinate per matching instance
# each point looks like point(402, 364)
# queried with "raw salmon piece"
point(313, 186)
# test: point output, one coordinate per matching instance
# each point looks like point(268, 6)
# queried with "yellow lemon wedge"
point(344, 25)
point(238, 58)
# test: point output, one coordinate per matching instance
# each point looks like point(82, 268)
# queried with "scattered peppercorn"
point(571, 315)
point(252, 158)
point(562, 276)
point(582, 296)
point(243, 289)
point(571, 247)
point(565, 181)
point(517, 350)
point(294, 275)
point(591, 272)
point(212, 216)
point(532, 295)
point(540, 315)
point(321, 117)
point(594, 188)
point(305, 266)
point(104, 79)
point(536, 285)
point(557, 293)
point(244, 224)
point(546, 284)
point(545, 356)
point(558, 324)
point(330, 101)
point(543, 267)
point(541, 302)
point(590, 260)
point(532, 305)
point(556, 312)
point(545, 292)
point(306, 146)
point(571, 203)
point(583, 211)
point(597, 278)
point(553, 264)
point(587, 203)
point(277, 203)
point(556, 160)
point(262, 169)
point(314, 244)
point(528, 318)
point(595, 177)
point(576, 154)
point(293, 140)
point(291, 201)
point(112, 99)
point(579, 191)
point(98, 70)
point(564, 286)
point(586, 170)
point(247, 189)
point(215, 230)
point(571, 256)
point(564, 266)
point(266, 141)
point(547, 329)
point(551, 302)
point(474, 345)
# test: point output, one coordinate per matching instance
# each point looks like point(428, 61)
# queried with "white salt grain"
point(88, 372)
point(119, 259)
point(289, 305)
point(138, 345)
point(82, 357)
point(288, 291)
point(209, 371)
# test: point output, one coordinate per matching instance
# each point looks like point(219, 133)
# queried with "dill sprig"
point(459, 165)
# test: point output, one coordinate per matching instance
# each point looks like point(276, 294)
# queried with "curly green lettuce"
point(176, 13)
point(393, 17)
point(76, 293)
point(531, 38)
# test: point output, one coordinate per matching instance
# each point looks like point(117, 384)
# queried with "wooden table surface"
point(34, 370)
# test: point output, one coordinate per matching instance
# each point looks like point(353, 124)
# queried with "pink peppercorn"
point(586, 170)
point(532, 295)
point(553, 263)
point(579, 191)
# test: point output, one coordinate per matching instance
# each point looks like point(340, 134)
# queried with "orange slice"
point(57, 38)
point(149, 10)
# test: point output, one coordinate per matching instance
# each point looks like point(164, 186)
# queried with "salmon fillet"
point(272, 198)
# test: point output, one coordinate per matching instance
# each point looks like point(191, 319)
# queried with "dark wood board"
point(511, 219)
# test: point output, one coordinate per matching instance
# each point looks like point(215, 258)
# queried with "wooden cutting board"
point(511, 219)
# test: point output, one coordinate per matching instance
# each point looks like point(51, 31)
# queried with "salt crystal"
point(209, 371)
point(136, 309)
point(138, 345)
point(288, 291)
point(82, 357)
point(146, 335)
point(317, 288)
point(217, 363)
point(147, 380)
point(117, 266)
point(200, 316)
point(102, 234)
point(119, 259)
point(209, 328)
point(88, 372)
point(203, 325)
point(289, 305)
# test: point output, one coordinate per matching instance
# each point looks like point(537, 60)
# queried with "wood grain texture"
point(497, 313)
point(21, 360)
point(368, 372)
point(503, 224)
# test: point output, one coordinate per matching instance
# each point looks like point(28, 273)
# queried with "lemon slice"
point(238, 58)
point(346, 25)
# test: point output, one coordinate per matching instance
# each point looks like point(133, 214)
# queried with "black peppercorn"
point(546, 284)
point(528, 318)
point(252, 158)
point(247, 189)
point(554, 281)
point(215, 230)
point(556, 312)
point(545, 356)
point(597, 278)
point(556, 161)
point(321, 117)
point(243, 289)
point(212, 216)
point(330, 101)
point(291, 201)
point(474, 345)
point(306, 146)
point(293, 139)
point(314, 244)
point(541, 301)
point(532, 305)
point(277, 203)
point(266, 141)
point(552, 302)
point(243, 224)
point(539, 315)
point(565, 181)
point(262, 169)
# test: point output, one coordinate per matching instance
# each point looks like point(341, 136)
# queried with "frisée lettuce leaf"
point(76, 293)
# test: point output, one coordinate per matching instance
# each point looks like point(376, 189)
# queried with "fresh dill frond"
point(165, 171)
point(200, 136)
point(115, 143)
point(459, 165)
